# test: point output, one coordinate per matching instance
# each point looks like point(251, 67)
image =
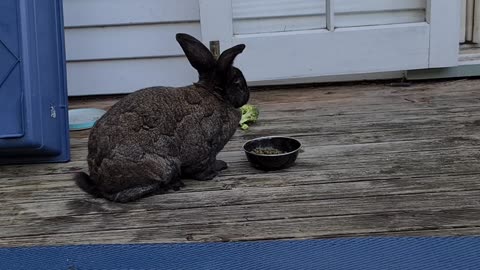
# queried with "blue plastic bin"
point(33, 94)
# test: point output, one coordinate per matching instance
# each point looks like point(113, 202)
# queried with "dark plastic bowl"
point(269, 162)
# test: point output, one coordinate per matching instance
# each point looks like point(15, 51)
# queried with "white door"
point(308, 38)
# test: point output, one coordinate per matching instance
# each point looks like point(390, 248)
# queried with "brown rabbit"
point(153, 137)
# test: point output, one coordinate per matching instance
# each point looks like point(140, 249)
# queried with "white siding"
point(119, 46)
point(115, 12)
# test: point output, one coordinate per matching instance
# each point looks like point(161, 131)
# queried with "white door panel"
point(279, 56)
point(470, 10)
point(264, 16)
point(463, 21)
point(444, 21)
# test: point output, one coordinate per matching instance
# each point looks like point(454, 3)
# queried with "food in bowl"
point(267, 151)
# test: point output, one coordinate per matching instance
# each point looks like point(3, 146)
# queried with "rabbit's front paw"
point(220, 165)
point(205, 175)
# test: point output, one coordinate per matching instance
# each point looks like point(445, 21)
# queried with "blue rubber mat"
point(338, 254)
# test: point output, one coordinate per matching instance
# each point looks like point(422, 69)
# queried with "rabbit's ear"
point(225, 61)
point(197, 54)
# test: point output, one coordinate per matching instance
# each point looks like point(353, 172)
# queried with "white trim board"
point(462, 71)
point(476, 26)
point(337, 78)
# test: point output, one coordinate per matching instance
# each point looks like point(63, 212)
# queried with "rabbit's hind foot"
point(205, 175)
point(135, 193)
point(177, 185)
point(204, 171)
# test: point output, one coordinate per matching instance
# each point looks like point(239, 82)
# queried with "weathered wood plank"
point(461, 134)
point(365, 96)
point(300, 228)
point(88, 222)
point(315, 145)
point(387, 131)
point(310, 159)
point(68, 200)
point(465, 145)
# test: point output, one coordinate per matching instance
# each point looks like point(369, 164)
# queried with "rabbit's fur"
point(153, 137)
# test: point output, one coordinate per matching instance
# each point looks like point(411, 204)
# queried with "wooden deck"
point(377, 160)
